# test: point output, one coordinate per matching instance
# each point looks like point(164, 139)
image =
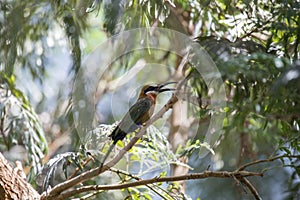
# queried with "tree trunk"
point(178, 135)
point(12, 184)
point(179, 126)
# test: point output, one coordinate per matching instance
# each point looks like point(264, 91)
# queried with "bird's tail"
point(107, 153)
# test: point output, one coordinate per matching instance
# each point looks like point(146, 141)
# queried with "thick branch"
point(206, 174)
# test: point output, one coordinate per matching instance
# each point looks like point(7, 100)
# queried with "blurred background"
point(254, 44)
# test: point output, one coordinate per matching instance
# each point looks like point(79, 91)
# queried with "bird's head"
point(154, 90)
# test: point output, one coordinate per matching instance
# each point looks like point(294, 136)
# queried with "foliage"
point(121, 14)
point(274, 24)
point(20, 125)
point(27, 27)
point(261, 91)
point(255, 45)
point(49, 175)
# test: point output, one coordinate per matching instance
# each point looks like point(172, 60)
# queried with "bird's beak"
point(160, 88)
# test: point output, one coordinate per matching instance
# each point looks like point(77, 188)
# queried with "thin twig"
point(83, 165)
point(266, 160)
point(251, 188)
point(3, 116)
point(117, 171)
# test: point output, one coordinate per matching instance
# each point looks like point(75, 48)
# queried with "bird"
point(138, 114)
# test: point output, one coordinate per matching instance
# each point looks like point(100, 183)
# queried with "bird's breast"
point(152, 97)
point(149, 110)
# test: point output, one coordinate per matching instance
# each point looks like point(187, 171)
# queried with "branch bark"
point(12, 183)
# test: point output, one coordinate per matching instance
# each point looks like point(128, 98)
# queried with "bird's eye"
point(148, 89)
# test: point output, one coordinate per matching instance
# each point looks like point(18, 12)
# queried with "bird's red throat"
point(152, 97)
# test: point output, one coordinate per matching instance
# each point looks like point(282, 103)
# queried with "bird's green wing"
point(135, 115)
point(129, 123)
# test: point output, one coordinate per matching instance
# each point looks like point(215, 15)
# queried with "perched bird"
point(138, 114)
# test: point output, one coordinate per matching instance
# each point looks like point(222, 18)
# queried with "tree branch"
point(223, 174)
point(96, 171)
